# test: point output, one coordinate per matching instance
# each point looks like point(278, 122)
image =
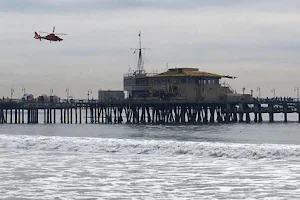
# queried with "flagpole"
point(140, 40)
point(140, 67)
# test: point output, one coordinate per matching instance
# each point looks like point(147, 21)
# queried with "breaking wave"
point(156, 147)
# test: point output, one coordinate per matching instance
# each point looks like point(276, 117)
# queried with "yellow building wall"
point(192, 91)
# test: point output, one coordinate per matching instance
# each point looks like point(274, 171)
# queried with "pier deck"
point(145, 112)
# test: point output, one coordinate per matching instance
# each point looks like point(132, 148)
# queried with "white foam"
point(159, 147)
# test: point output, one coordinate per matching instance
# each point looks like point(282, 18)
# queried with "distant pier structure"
point(176, 96)
point(145, 112)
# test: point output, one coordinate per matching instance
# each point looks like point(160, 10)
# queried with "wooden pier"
point(145, 112)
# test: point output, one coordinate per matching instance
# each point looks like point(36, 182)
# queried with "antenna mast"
point(140, 63)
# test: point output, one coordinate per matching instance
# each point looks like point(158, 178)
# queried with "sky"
point(257, 41)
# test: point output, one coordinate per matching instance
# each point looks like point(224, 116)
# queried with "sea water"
point(93, 161)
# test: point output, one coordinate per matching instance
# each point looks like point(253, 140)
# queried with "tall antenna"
point(140, 63)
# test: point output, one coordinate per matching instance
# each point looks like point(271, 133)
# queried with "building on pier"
point(188, 84)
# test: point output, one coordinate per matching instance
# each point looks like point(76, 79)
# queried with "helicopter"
point(51, 36)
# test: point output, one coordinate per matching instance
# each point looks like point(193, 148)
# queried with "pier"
point(145, 112)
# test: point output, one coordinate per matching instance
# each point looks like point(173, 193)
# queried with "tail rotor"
point(37, 36)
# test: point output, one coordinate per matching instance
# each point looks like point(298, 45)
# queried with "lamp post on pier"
point(24, 90)
point(297, 89)
point(258, 90)
point(51, 92)
point(243, 90)
point(11, 93)
point(67, 91)
point(88, 94)
point(273, 90)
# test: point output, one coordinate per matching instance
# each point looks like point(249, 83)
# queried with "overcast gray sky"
point(257, 41)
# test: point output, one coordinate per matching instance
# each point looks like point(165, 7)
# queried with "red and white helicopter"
point(50, 36)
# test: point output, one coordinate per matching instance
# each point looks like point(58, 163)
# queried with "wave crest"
point(158, 147)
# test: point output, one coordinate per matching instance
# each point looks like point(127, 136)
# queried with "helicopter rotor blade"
point(61, 34)
point(44, 32)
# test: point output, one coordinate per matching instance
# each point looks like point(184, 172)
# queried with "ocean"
point(106, 161)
